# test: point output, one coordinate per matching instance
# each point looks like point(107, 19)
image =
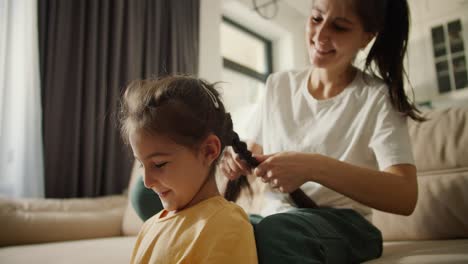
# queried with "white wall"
point(210, 63)
point(286, 31)
point(420, 63)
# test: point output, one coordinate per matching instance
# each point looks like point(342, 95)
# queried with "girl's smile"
point(162, 194)
point(179, 175)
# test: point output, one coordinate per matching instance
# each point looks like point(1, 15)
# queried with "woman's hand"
point(233, 166)
point(286, 171)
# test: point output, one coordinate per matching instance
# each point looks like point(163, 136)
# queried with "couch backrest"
point(131, 223)
point(28, 221)
point(440, 148)
point(441, 143)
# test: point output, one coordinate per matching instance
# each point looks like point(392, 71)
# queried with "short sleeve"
point(390, 139)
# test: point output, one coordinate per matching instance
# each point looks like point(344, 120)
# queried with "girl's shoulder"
point(219, 209)
point(231, 212)
point(229, 219)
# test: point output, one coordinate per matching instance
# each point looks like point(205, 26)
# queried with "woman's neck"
point(324, 83)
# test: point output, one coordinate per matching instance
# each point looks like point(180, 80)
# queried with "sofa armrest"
point(27, 221)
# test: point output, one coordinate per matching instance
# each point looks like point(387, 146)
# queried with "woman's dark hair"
point(390, 21)
point(186, 110)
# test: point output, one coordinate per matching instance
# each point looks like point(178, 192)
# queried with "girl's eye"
point(160, 165)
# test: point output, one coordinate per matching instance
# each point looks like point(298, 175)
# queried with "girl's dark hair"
point(390, 21)
point(186, 110)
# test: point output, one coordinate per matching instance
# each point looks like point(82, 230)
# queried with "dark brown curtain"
point(89, 51)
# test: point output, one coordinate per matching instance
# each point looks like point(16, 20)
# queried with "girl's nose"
point(149, 180)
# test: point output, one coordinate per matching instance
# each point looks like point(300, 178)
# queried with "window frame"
point(449, 55)
point(237, 67)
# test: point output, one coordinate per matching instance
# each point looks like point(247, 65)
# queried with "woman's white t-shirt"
point(358, 126)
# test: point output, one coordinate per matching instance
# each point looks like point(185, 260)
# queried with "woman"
point(336, 132)
point(339, 134)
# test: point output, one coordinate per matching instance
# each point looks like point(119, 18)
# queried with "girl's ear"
point(210, 149)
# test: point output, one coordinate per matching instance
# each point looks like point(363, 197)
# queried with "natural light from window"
point(247, 63)
point(242, 48)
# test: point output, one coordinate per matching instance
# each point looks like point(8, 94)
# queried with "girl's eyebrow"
point(154, 154)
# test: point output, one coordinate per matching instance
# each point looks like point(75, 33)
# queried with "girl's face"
point(174, 172)
point(334, 34)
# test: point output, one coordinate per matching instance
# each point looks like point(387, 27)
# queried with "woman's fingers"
point(226, 171)
point(261, 158)
point(274, 183)
point(236, 164)
point(225, 168)
point(232, 166)
point(241, 164)
point(263, 173)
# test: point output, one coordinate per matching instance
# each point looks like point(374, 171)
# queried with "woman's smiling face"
point(334, 34)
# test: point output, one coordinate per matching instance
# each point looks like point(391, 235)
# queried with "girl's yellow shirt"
point(212, 231)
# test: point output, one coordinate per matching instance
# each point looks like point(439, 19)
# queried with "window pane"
point(444, 84)
point(438, 41)
point(455, 36)
point(239, 90)
point(243, 48)
point(443, 76)
point(460, 73)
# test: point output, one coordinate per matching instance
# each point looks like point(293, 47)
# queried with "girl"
point(337, 132)
point(177, 127)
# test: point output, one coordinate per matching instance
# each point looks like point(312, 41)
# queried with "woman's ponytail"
point(391, 23)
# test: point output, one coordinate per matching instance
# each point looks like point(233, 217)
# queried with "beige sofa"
point(102, 230)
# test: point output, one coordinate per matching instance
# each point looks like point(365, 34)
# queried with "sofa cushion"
point(440, 143)
point(24, 221)
point(93, 251)
point(424, 252)
point(131, 222)
point(118, 250)
point(441, 211)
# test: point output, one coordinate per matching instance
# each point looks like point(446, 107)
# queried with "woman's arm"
point(393, 190)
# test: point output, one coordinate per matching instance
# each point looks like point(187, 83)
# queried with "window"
point(247, 62)
point(449, 56)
